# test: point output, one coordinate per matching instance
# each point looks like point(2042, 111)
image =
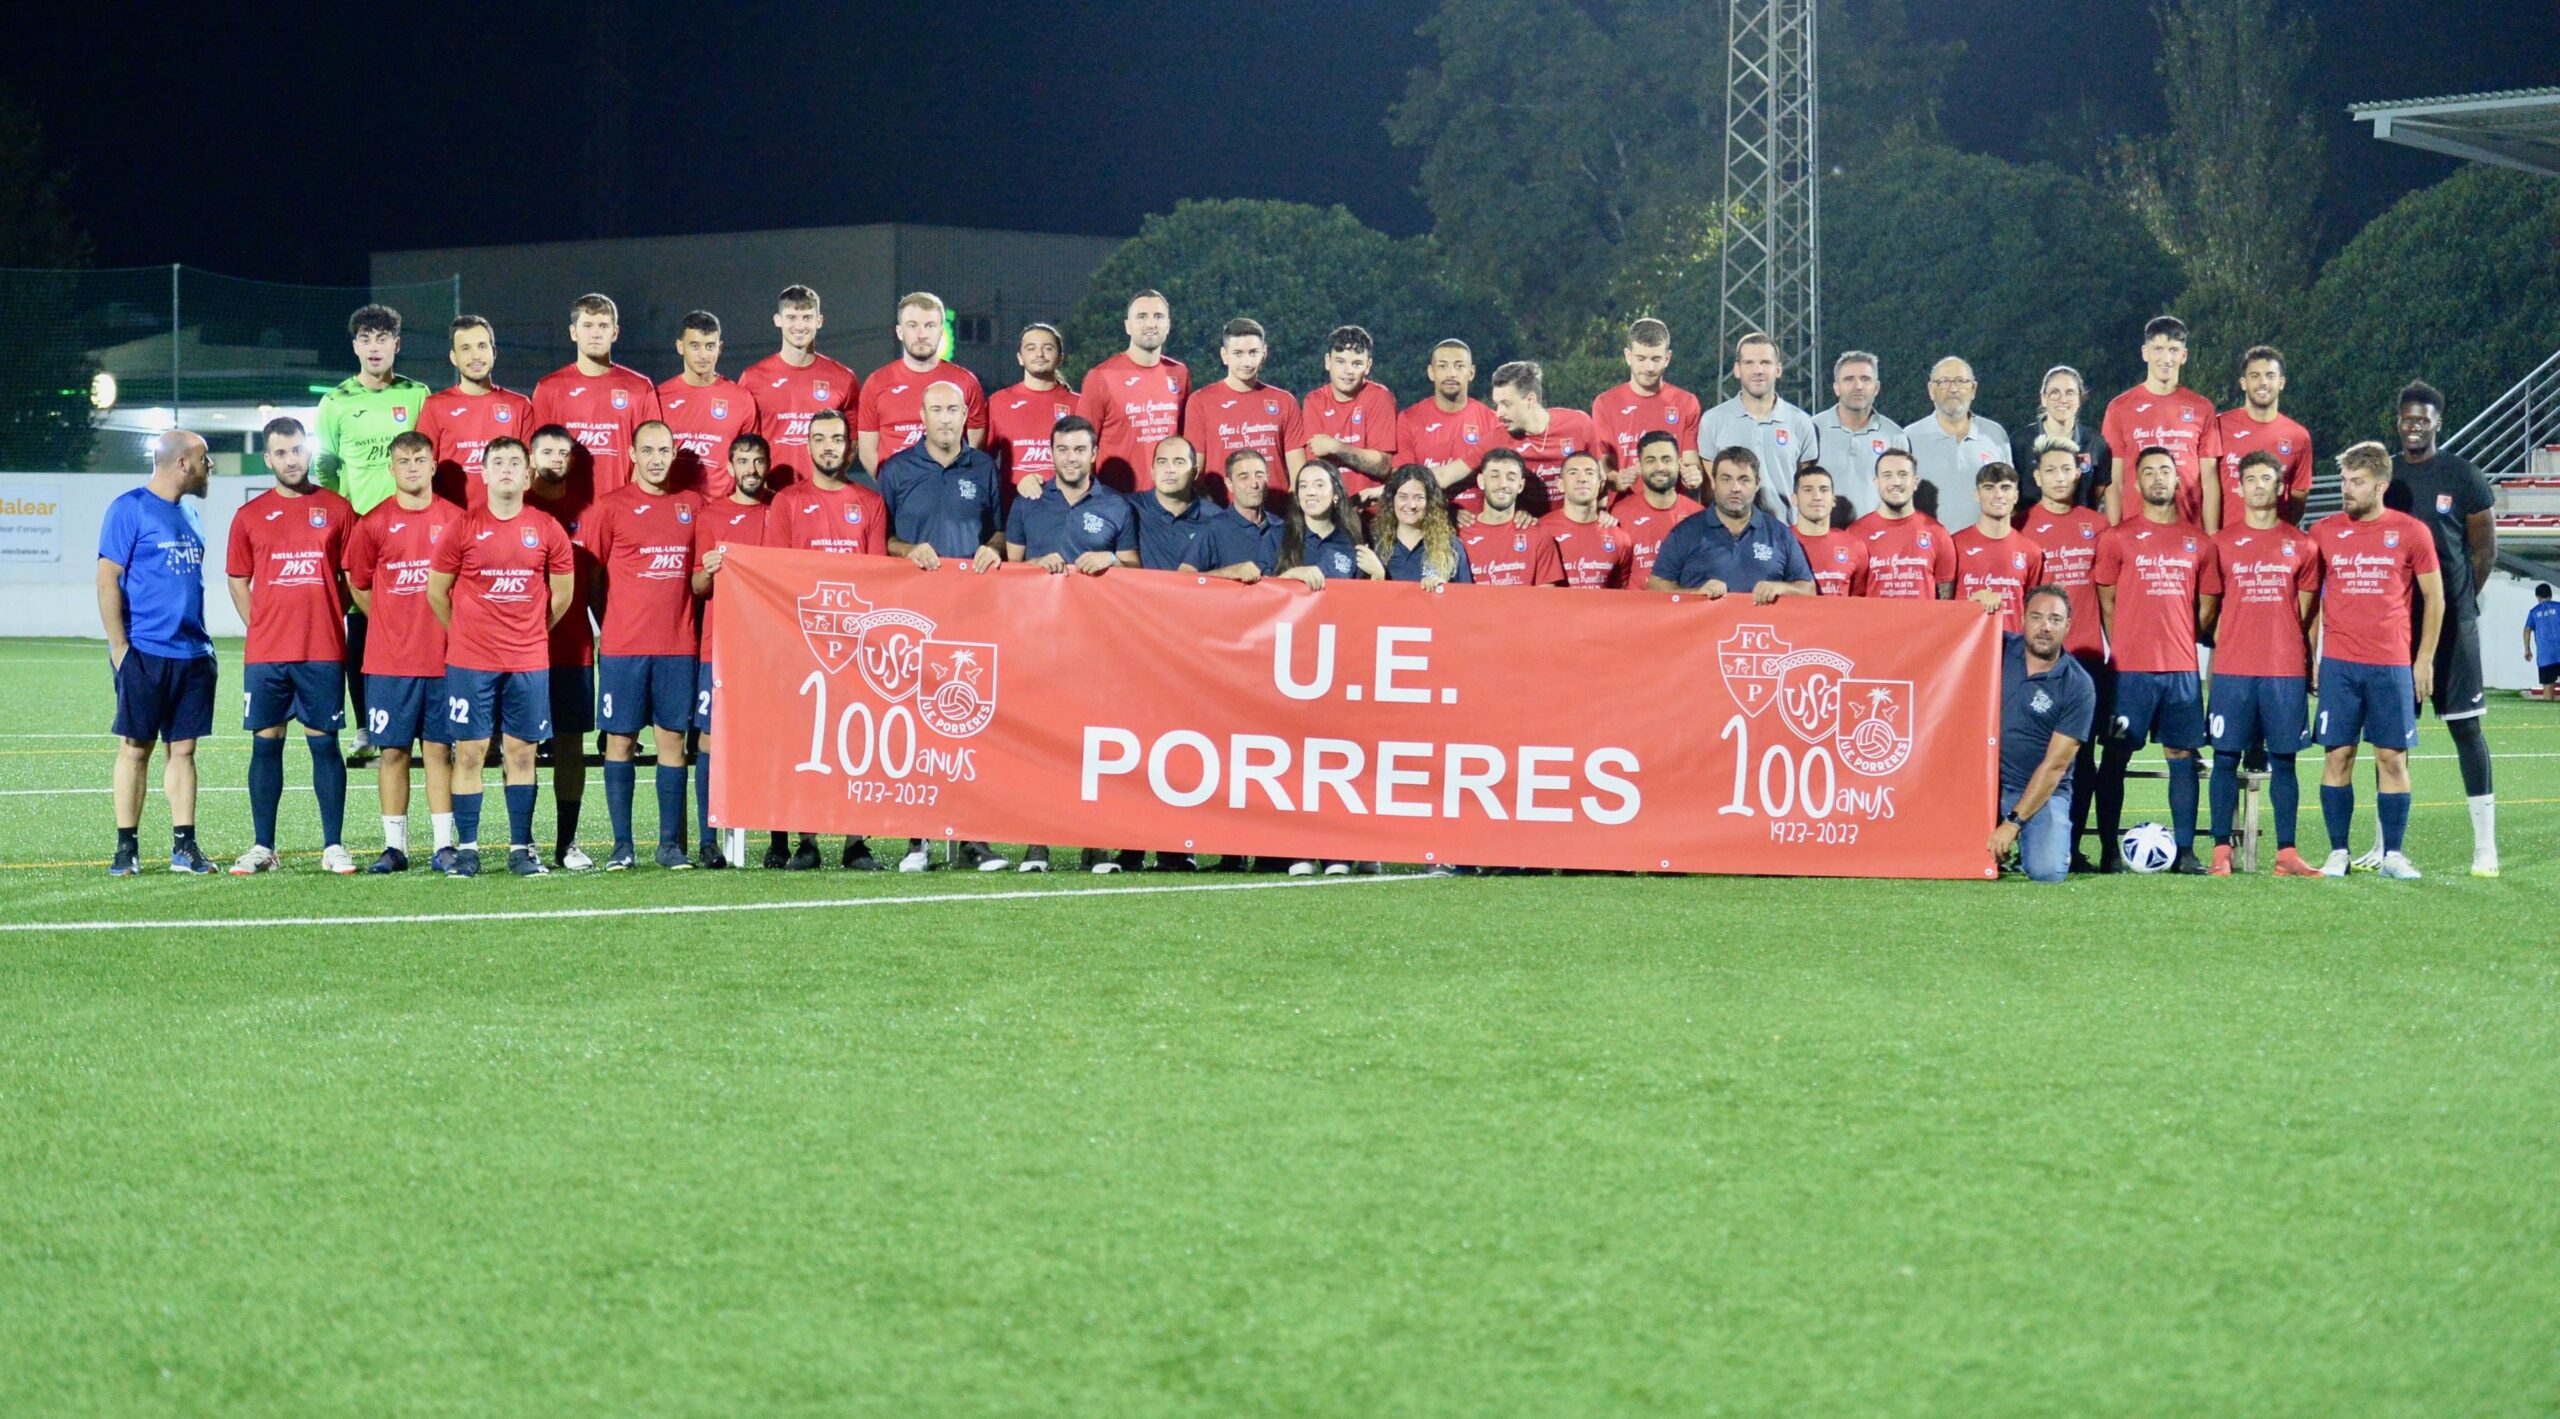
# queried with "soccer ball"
point(2148, 847)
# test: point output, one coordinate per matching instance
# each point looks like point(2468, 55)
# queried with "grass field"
point(964, 1144)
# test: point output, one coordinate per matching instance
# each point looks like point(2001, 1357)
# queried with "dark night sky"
point(290, 148)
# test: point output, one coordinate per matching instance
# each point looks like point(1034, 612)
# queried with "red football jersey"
point(1019, 420)
point(644, 543)
point(892, 404)
point(1907, 557)
point(2011, 564)
point(1219, 419)
point(502, 570)
point(1512, 556)
point(1568, 433)
point(2181, 421)
point(1839, 561)
point(1592, 555)
point(389, 555)
point(724, 524)
point(2070, 543)
point(600, 412)
point(1133, 408)
point(2158, 570)
point(1622, 418)
point(787, 397)
point(1648, 525)
point(462, 425)
point(573, 636)
point(291, 549)
point(1430, 435)
point(1365, 420)
point(704, 418)
point(2281, 436)
point(2368, 585)
point(2264, 574)
point(849, 519)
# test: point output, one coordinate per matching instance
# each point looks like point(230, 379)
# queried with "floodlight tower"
point(1772, 247)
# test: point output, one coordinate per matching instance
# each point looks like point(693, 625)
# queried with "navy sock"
point(2182, 801)
point(2393, 808)
point(671, 804)
point(466, 817)
point(2226, 795)
point(520, 800)
point(619, 781)
point(266, 787)
point(2338, 810)
point(328, 784)
point(2285, 792)
point(702, 792)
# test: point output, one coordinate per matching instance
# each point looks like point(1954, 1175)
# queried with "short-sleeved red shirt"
point(2070, 543)
point(2158, 569)
point(2368, 585)
point(724, 524)
point(2258, 630)
point(850, 519)
point(601, 412)
point(1365, 420)
point(891, 408)
point(1593, 556)
point(1019, 421)
point(1512, 556)
point(1907, 557)
point(291, 550)
point(644, 543)
point(1219, 419)
point(389, 556)
point(1839, 559)
point(2011, 564)
point(2181, 421)
point(1648, 525)
point(502, 570)
point(461, 425)
point(1622, 417)
point(573, 636)
point(704, 418)
point(787, 397)
point(1133, 407)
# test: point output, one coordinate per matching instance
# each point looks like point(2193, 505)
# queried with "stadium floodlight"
point(102, 391)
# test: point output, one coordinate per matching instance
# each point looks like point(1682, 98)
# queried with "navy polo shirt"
point(1701, 549)
point(1406, 563)
point(950, 509)
point(1233, 540)
point(1102, 521)
point(2034, 708)
point(1333, 554)
point(1168, 541)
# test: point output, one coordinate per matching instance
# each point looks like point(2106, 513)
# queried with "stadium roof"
point(2513, 128)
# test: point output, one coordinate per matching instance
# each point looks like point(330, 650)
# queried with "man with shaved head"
point(642, 536)
point(1953, 445)
point(151, 600)
point(941, 494)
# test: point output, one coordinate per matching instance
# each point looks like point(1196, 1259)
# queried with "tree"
point(1301, 271)
point(2225, 189)
point(2457, 284)
point(45, 367)
point(1930, 252)
point(1573, 153)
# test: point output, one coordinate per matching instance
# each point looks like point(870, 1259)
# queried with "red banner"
point(1485, 726)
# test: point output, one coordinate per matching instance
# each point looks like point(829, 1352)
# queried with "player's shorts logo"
point(1820, 699)
point(719, 408)
point(958, 694)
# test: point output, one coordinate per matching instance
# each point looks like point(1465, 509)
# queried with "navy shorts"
point(2163, 705)
point(164, 697)
point(702, 698)
point(573, 702)
point(2248, 709)
point(310, 692)
point(476, 701)
point(2377, 704)
point(400, 710)
point(644, 691)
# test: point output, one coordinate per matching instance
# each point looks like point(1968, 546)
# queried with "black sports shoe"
point(708, 855)
point(362, 756)
point(857, 857)
point(624, 858)
point(466, 862)
point(1176, 862)
point(2110, 863)
point(2081, 865)
point(392, 860)
point(804, 858)
point(524, 862)
point(777, 855)
point(671, 857)
point(128, 863)
point(2186, 865)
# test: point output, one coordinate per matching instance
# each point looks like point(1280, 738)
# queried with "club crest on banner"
point(953, 683)
point(1819, 698)
point(957, 696)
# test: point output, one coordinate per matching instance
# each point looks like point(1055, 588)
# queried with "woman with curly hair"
point(1414, 541)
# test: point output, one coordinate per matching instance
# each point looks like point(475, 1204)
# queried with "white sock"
point(444, 830)
point(395, 832)
point(2484, 824)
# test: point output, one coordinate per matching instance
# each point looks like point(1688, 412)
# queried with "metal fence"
point(93, 364)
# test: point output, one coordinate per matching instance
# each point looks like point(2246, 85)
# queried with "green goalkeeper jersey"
point(357, 426)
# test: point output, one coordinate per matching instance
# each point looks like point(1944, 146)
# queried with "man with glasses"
point(1953, 445)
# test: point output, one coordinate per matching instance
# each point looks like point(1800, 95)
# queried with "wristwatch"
point(2012, 819)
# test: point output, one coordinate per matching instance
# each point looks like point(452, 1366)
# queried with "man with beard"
point(2260, 425)
point(1593, 552)
point(2046, 705)
point(1451, 431)
point(1543, 437)
point(1135, 398)
point(1020, 417)
point(737, 520)
point(1504, 549)
point(890, 415)
point(828, 512)
point(1852, 434)
point(461, 420)
point(1646, 404)
point(2160, 587)
point(151, 601)
point(1909, 556)
point(1655, 505)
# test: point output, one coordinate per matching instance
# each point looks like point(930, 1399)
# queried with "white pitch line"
point(154, 792)
point(703, 909)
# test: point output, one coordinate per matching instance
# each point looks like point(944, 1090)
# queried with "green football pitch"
point(749, 1143)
